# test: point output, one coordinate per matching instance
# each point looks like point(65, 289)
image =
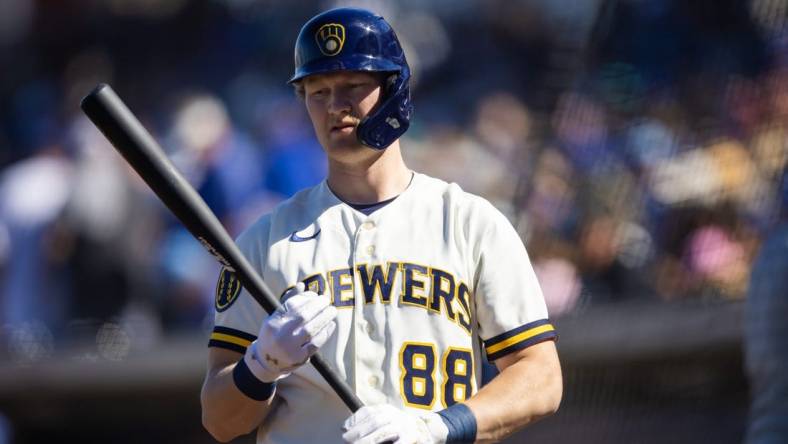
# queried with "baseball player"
point(402, 281)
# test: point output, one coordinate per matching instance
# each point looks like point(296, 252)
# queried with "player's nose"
point(339, 103)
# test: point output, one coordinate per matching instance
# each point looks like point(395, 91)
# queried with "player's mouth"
point(343, 128)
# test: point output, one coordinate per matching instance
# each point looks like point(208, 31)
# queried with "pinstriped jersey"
point(424, 287)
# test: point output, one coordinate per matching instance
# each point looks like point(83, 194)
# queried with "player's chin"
point(343, 141)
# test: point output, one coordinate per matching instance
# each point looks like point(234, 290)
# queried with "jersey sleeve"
point(510, 308)
point(238, 315)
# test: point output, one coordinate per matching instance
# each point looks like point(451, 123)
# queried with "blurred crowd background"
point(638, 146)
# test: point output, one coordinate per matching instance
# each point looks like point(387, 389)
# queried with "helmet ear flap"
point(391, 118)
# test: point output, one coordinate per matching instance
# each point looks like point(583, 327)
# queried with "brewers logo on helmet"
point(330, 38)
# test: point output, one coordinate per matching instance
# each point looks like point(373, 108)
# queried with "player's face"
point(336, 103)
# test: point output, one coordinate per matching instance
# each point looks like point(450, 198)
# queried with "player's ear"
point(298, 89)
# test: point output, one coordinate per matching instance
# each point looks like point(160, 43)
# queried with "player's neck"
point(370, 181)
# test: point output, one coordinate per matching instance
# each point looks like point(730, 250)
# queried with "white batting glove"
point(381, 423)
point(289, 337)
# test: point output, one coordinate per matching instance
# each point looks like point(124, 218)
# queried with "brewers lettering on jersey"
point(403, 282)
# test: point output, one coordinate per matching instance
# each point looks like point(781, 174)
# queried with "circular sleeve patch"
point(227, 290)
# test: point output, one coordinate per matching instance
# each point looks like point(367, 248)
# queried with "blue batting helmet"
point(352, 39)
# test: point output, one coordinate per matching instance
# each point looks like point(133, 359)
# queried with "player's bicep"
point(543, 354)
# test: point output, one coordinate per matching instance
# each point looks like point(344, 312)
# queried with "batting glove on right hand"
point(384, 423)
point(289, 337)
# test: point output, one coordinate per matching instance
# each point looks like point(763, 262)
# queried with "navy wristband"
point(461, 423)
point(249, 385)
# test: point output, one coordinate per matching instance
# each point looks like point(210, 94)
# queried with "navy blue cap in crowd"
point(352, 39)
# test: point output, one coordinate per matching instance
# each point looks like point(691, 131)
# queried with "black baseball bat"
point(119, 125)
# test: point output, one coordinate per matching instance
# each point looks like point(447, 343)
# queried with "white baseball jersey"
point(423, 287)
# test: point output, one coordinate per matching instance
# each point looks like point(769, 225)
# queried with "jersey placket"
point(369, 354)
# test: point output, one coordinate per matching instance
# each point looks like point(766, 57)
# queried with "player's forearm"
point(528, 389)
point(226, 412)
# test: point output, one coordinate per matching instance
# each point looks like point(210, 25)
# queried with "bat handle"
point(343, 390)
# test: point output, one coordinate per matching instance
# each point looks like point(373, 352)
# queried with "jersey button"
point(373, 381)
point(371, 250)
point(368, 225)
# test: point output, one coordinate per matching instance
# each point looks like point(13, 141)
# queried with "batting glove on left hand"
point(382, 423)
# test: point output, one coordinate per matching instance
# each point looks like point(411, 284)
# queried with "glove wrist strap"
point(461, 423)
point(249, 384)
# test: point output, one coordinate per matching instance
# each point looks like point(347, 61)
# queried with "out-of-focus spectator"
point(649, 141)
point(581, 131)
point(103, 237)
point(502, 125)
point(33, 193)
point(448, 152)
point(226, 170)
point(718, 259)
point(605, 277)
point(496, 148)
